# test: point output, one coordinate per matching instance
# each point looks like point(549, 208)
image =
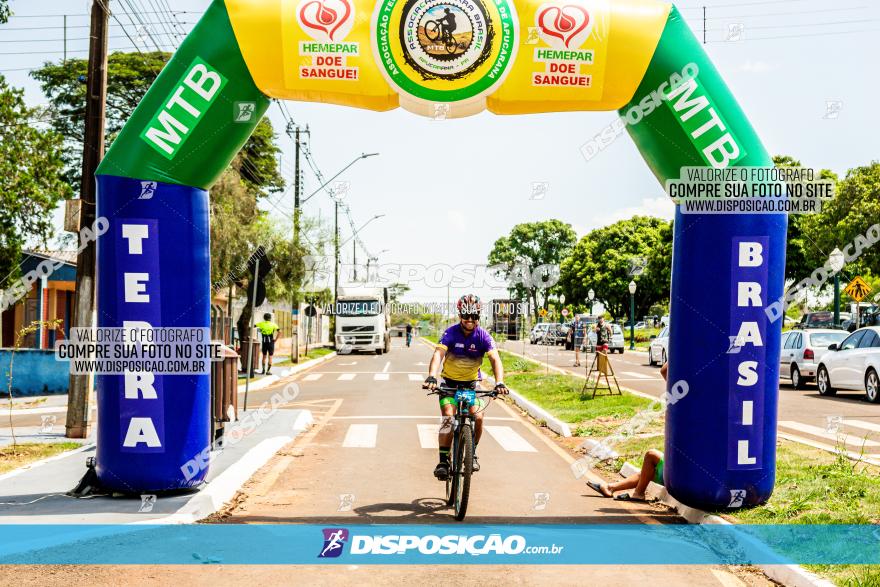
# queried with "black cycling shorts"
point(268, 347)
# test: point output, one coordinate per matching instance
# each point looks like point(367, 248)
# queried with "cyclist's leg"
point(444, 438)
point(477, 411)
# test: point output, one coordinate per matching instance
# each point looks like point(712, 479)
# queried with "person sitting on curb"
point(652, 470)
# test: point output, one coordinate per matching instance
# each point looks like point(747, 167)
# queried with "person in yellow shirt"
point(269, 331)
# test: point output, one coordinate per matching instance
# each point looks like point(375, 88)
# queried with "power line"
point(76, 26)
point(85, 14)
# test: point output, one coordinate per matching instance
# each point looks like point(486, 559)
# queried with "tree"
point(802, 256)
point(602, 261)
point(854, 209)
point(528, 248)
point(129, 76)
point(5, 11)
point(30, 180)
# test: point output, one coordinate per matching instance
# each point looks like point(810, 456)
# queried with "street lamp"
point(632, 315)
point(836, 260)
point(354, 244)
point(590, 295)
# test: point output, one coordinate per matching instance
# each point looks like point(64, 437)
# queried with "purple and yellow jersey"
point(464, 354)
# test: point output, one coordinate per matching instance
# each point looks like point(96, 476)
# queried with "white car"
point(852, 365)
point(801, 350)
point(658, 351)
point(539, 332)
point(617, 342)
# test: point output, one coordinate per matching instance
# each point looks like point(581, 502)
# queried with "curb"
point(789, 575)
point(271, 379)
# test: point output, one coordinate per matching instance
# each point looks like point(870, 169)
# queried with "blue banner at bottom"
point(439, 544)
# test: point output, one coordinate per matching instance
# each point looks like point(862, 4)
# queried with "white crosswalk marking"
point(313, 376)
point(822, 433)
point(510, 440)
point(346, 377)
point(428, 435)
point(361, 436)
point(415, 377)
point(381, 377)
point(864, 425)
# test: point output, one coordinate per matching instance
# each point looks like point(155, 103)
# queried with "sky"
point(804, 72)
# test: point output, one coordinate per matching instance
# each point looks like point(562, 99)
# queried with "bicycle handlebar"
point(440, 389)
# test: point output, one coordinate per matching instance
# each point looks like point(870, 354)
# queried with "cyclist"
point(447, 24)
point(460, 353)
point(269, 332)
point(409, 334)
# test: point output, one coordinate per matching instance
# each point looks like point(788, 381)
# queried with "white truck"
point(362, 320)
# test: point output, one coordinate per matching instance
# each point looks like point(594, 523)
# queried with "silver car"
point(801, 351)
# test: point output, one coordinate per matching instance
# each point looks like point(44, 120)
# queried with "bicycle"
point(461, 465)
point(434, 31)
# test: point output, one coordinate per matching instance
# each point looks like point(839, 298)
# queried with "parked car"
point(555, 335)
point(539, 331)
point(821, 320)
point(800, 351)
point(853, 364)
point(617, 343)
point(658, 350)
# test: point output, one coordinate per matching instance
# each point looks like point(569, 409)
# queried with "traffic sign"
point(542, 312)
point(857, 289)
point(564, 312)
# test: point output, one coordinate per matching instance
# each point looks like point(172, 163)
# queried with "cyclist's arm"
point(497, 366)
point(436, 362)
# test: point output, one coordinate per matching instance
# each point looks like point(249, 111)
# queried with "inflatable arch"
point(506, 56)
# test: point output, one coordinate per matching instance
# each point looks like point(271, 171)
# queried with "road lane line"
point(428, 435)
point(589, 476)
point(313, 376)
point(346, 377)
point(361, 436)
point(635, 375)
point(510, 440)
point(387, 366)
point(822, 433)
point(860, 424)
point(381, 377)
point(414, 377)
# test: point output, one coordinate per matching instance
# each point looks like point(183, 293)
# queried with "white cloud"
point(659, 207)
point(757, 67)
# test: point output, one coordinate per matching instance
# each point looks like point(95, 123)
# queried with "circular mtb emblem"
point(444, 50)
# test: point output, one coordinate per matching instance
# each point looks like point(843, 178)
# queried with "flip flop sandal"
point(628, 497)
point(597, 487)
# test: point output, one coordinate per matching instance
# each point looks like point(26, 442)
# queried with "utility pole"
point(354, 258)
point(77, 425)
point(336, 247)
point(297, 191)
point(704, 25)
point(65, 38)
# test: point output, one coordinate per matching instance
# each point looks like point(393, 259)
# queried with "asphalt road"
point(369, 460)
point(804, 415)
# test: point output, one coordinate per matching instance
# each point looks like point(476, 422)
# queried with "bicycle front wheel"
point(465, 469)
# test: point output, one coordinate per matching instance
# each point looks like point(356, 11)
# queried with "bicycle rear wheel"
point(465, 469)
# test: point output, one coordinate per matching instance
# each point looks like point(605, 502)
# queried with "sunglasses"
point(470, 316)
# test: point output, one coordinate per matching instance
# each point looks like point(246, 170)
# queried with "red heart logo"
point(323, 18)
point(562, 23)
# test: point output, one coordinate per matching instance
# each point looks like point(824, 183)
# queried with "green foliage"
point(531, 245)
point(30, 184)
point(129, 76)
point(5, 11)
point(802, 255)
point(601, 261)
